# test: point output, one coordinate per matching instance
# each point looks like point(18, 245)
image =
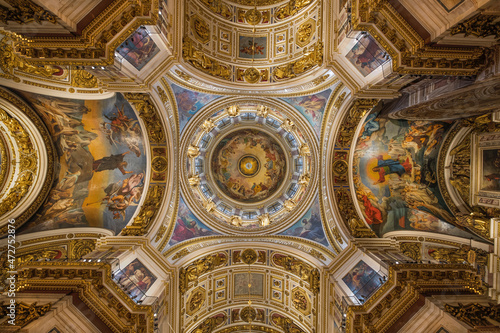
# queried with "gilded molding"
point(147, 111)
point(25, 313)
point(480, 26)
point(25, 11)
point(407, 48)
point(47, 142)
point(93, 283)
point(200, 61)
point(477, 221)
point(149, 210)
point(404, 285)
point(166, 95)
point(343, 141)
point(93, 47)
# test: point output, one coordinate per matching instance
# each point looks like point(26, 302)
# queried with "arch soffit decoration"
point(223, 263)
point(28, 156)
point(339, 207)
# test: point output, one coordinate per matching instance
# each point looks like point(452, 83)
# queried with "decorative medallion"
point(195, 301)
point(253, 16)
point(200, 28)
point(248, 314)
point(252, 75)
point(249, 256)
point(305, 32)
point(159, 164)
point(340, 167)
point(301, 301)
point(248, 165)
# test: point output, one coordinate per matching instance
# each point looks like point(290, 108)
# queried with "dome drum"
point(249, 165)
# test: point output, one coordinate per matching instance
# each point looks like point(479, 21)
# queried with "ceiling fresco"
point(248, 165)
point(395, 165)
point(312, 107)
point(188, 226)
point(101, 163)
point(309, 226)
point(189, 102)
point(224, 166)
point(138, 49)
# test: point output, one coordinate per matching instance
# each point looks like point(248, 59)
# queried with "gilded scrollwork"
point(27, 162)
point(460, 255)
point(149, 114)
point(248, 256)
point(305, 32)
point(25, 11)
point(219, 7)
point(412, 250)
point(199, 267)
point(78, 248)
point(301, 301)
point(302, 65)
point(83, 79)
point(297, 267)
point(291, 8)
point(148, 212)
point(201, 29)
point(26, 313)
point(210, 324)
point(204, 63)
point(474, 314)
point(195, 301)
point(480, 26)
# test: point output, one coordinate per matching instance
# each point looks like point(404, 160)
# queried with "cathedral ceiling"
point(209, 145)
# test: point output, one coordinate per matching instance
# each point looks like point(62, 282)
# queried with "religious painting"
point(138, 49)
point(136, 279)
point(366, 55)
point(485, 169)
point(395, 164)
point(449, 5)
point(188, 226)
point(312, 107)
point(490, 169)
point(362, 280)
point(241, 281)
point(189, 102)
point(100, 165)
point(309, 226)
point(251, 47)
point(248, 165)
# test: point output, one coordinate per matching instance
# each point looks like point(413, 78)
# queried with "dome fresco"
point(248, 165)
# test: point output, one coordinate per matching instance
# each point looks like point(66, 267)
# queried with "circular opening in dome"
point(248, 165)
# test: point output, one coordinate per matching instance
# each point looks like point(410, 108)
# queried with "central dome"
point(248, 165)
